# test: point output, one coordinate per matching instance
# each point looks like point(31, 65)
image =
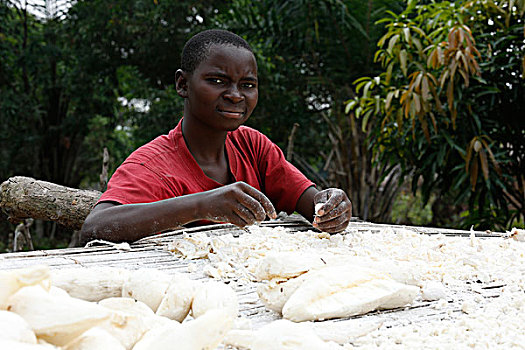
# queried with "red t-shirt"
point(164, 168)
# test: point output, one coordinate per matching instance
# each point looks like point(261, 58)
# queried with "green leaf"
point(425, 91)
point(406, 34)
point(417, 44)
point(484, 164)
point(403, 61)
point(474, 173)
point(379, 55)
point(411, 5)
point(361, 84)
point(389, 72)
point(367, 87)
point(350, 105)
point(389, 97)
point(399, 119)
point(419, 31)
point(393, 40)
point(382, 41)
point(358, 111)
point(357, 81)
point(365, 120)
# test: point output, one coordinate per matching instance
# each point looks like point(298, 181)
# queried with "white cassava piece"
point(287, 265)
point(130, 320)
point(127, 305)
point(126, 328)
point(133, 318)
point(158, 338)
point(118, 323)
point(280, 334)
point(239, 338)
point(148, 286)
point(177, 301)
point(343, 291)
point(517, 234)
point(203, 333)
point(286, 335)
point(13, 345)
point(54, 316)
point(276, 292)
point(95, 339)
point(93, 284)
point(215, 295)
point(12, 281)
point(14, 327)
point(433, 290)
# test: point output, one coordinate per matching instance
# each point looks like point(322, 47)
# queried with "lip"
point(232, 114)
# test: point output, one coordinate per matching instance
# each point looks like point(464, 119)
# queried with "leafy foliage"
point(449, 104)
point(409, 209)
point(309, 53)
point(63, 79)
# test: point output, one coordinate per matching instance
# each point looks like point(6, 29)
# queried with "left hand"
point(336, 211)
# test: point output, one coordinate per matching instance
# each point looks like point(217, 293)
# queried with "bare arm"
point(305, 203)
point(238, 203)
point(333, 216)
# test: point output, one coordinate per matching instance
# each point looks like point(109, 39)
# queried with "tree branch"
point(24, 197)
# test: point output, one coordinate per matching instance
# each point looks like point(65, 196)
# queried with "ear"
point(181, 83)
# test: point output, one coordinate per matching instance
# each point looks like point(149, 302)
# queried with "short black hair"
point(198, 47)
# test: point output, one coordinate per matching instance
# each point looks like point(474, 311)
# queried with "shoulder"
point(159, 147)
point(253, 144)
point(249, 134)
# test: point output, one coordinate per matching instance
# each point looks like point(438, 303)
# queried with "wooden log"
point(24, 197)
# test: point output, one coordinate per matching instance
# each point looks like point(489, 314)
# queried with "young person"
point(210, 168)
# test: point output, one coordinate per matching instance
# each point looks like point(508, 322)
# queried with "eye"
point(217, 81)
point(249, 85)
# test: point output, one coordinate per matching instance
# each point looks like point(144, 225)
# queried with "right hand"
point(237, 203)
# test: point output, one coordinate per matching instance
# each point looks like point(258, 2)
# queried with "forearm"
point(131, 222)
point(305, 203)
point(237, 203)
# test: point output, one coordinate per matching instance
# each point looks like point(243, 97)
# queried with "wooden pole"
point(24, 197)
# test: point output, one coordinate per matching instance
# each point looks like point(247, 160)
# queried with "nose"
point(233, 94)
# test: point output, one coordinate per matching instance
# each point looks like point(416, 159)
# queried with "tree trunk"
point(24, 197)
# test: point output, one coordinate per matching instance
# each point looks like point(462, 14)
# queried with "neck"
point(206, 146)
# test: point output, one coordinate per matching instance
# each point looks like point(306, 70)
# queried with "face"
point(222, 91)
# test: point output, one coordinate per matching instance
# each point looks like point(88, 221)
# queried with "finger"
point(231, 218)
point(319, 209)
point(255, 208)
point(333, 222)
point(245, 215)
point(335, 229)
point(334, 198)
point(321, 198)
point(237, 220)
point(343, 209)
point(262, 200)
point(335, 225)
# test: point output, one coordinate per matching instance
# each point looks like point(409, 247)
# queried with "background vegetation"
point(391, 98)
point(449, 107)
